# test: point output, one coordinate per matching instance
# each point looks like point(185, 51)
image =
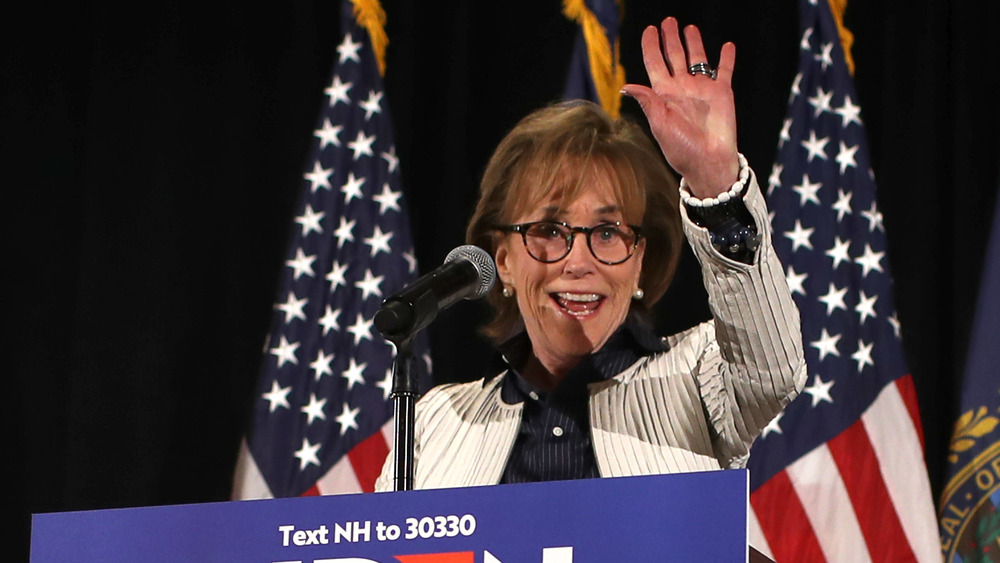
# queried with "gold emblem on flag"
point(969, 515)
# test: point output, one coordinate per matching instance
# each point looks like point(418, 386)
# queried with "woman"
point(581, 216)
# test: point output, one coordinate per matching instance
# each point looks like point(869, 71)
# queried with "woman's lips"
point(578, 304)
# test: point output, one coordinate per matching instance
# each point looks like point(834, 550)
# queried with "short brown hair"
point(553, 149)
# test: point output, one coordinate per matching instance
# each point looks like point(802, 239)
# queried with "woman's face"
point(570, 307)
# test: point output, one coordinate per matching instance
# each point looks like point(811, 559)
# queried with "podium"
point(681, 517)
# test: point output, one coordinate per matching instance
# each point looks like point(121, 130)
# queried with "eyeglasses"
point(550, 241)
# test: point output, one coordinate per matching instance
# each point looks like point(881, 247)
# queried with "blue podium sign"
point(683, 517)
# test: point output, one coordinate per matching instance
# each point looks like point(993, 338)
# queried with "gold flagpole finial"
point(837, 7)
point(370, 15)
point(605, 66)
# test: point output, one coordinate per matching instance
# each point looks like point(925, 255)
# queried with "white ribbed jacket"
point(696, 407)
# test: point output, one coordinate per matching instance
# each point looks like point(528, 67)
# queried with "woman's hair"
point(550, 153)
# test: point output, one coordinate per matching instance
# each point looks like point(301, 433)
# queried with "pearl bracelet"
point(733, 192)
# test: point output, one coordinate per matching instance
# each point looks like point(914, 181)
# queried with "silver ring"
point(702, 68)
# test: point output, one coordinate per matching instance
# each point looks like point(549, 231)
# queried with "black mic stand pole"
point(397, 320)
point(405, 390)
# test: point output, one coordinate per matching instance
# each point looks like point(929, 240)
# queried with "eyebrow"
point(554, 211)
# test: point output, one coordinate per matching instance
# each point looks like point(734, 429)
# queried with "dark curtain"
point(152, 154)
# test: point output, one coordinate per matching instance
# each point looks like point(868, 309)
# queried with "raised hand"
point(691, 114)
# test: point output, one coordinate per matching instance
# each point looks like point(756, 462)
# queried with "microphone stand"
point(405, 390)
point(468, 272)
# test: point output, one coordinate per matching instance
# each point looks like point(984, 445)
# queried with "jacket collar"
point(632, 341)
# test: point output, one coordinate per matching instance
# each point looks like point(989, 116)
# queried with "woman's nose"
point(580, 260)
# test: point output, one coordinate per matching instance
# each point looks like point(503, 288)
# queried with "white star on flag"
point(307, 454)
point(329, 320)
point(865, 307)
point(372, 105)
point(310, 221)
point(345, 232)
point(807, 190)
point(285, 352)
point(843, 204)
point(390, 158)
point(379, 241)
point(773, 427)
point(329, 134)
point(338, 94)
point(314, 410)
point(800, 236)
point(821, 101)
point(815, 147)
point(352, 188)
point(849, 112)
point(361, 329)
point(277, 397)
point(874, 217)
point(826, 345)
point(338, 274)
point(864, 355)
point(301, 265)
point(369, 285)
point(784, 136)
point(839, 253)
point(820, 391)
point(319, 177)
point(321, 365)
point(387, 200)
point(361, 145)
point(825, 56)
point(869, 261)
point(348, 50)
point(845, 157)
point(293, 308)
point(834, 299)
point(796, 281)
point(385, 384)
point(348, 419)
point(354, 374)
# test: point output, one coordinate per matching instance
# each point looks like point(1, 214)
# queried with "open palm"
point(692, 116)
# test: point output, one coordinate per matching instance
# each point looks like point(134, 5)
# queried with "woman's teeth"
point(579, 296)
point(578, 304)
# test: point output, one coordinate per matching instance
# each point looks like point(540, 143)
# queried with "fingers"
point(642, 94)
point(727, 62)
point(652, 105)
point(673, 50)
point(695, 47)
point(665, 56)
point(652, 57)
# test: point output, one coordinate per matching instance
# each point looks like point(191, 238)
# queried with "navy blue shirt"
point(553, 442)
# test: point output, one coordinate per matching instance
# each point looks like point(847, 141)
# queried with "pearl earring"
point(638, 295)
point(507, 292)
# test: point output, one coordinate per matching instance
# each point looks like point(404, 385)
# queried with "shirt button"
point(557, 431)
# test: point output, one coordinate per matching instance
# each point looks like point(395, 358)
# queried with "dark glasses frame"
point(570, 237)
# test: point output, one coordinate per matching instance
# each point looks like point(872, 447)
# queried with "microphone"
point(468, 272)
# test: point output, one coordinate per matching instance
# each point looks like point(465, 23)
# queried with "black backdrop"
point(152, 154)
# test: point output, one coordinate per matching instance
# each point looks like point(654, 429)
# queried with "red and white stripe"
point(354, 473)
point(862, 496)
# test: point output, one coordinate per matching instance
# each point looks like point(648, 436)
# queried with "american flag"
point(840, 474)
point(322, 414)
